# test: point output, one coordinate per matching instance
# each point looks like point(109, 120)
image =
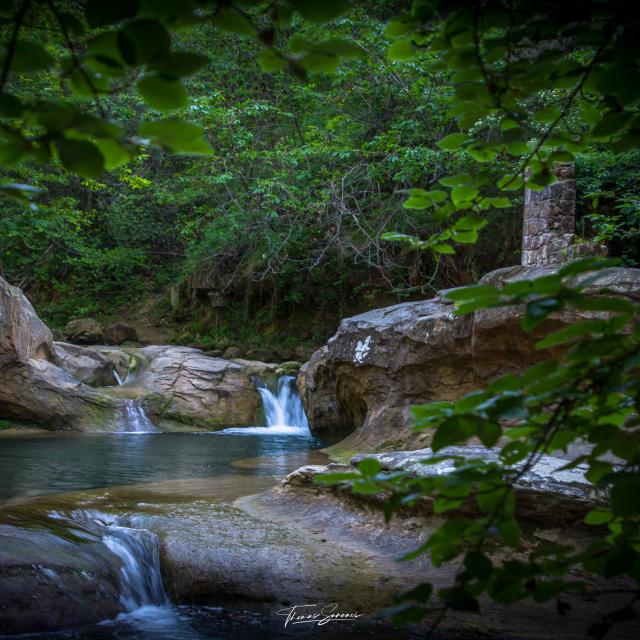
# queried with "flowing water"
point(46, 476)
point(136, 420)
point(283, 410)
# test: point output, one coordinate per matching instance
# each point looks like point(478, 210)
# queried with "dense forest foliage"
point(285, 218)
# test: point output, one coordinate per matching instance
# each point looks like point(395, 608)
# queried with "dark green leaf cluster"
point(589, 394)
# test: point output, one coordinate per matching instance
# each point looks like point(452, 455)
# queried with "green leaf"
point(539, 310)
point(401, 50)
point(470, 223)
point(102, 12)
point(230, 20)
point(478, 565)
point(81, 157)
point(369, 467)
point(453, 430)
point(143, 41)
point(178, 64)
point(454, 141)
point(270, 61)
point(586, 327)
point(399, 26)
point(335, 478)
point(478, 291)
point(28, 56)
point(10, 106)
point(624, 494)
point(463, 193)
point(510, 532)
point(177, 135)
point(441, 247)
point(11, 153)
point(489, 432)
point(114, 153)
point(598, 516)
point(163, 95)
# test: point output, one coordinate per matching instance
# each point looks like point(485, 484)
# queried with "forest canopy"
point(259, 147)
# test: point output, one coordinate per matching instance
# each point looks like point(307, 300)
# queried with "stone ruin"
point(548, 230)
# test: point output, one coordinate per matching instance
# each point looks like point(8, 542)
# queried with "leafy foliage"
point(589, 395)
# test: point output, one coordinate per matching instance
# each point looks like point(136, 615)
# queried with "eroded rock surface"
point(50, 582)
point(119, 332)
point(33, 386)
point(379, 363)
point(184, 385)
point(86, 365)
point(84, 331)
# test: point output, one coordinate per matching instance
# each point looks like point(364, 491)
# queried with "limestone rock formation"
point(86, 365)
point(379, 363)
point(84, 331)
point(184, 385)
point(33, 387)
point(48, 583)
point(546, 493)
point(119, 333)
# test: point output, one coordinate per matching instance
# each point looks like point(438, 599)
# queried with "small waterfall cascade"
point(140, 580)
point(283, 409)
point(137, 551)
point(137, 419)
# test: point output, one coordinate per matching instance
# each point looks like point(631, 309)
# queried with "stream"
point(88, 485)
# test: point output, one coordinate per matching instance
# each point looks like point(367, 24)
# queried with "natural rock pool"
point(44, 463)
point(74, 508)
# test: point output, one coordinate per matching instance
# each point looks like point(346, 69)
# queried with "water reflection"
point(35, 465)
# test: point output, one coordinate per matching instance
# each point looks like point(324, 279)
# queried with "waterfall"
point(284, 408)
point(148, 609)
point(137, 419)
point(140, 580)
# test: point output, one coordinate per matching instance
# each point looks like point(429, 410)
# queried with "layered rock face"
point(33, 387)
point(184, 385)
point(379, 363)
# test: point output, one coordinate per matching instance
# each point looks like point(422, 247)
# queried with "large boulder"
point(184, 385)
point(119, 333)
point(84, 331)
point(379, 363)
point(86, 365)
point(50, 582)
point(33, 387)
point(23, 336)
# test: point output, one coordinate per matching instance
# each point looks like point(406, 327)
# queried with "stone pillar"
point(549, 224)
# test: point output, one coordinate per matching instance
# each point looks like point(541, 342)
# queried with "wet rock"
point(84, 331)
point(23, 336)
point(545, 493)
point(119, 333)
point(378, 364)
point(33, 388)
point(231, 352)
point(50, 582)
point(184, 385)
point(290, 368)
point(381, 362)
point(86, 365)
point(317, 385)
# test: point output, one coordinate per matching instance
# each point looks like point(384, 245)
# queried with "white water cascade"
point(283, 410)
point(137, 419)
point(149, 614)
point(140, 580)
